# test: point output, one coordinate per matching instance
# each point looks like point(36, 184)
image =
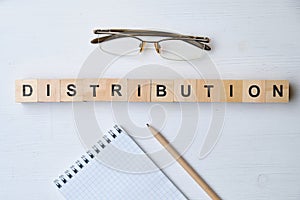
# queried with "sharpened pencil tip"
point(148, 125)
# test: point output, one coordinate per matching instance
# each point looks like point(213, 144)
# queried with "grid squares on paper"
point(97, 181)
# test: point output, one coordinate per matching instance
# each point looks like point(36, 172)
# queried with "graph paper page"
point(96, 180)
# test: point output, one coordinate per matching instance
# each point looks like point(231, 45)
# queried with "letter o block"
point(254, 91)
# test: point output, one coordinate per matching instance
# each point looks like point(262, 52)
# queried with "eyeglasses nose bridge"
point(142, 45)
point(157, 47)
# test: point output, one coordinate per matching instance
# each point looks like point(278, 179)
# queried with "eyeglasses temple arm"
point(150, 33)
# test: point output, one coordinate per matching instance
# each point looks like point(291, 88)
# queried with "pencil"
point(199, 180)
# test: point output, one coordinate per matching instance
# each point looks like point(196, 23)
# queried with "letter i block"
point(185, 90)
point(162, 91)
point(254, 91)
point(277, 91)
point(233, 91)
point(49, 90)
point(71, 90)
point(26, 91)
point(139, 90)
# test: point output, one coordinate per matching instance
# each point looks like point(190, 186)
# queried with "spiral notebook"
point(89, 179)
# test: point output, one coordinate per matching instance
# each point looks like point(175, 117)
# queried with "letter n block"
point(254, 91)
point(26, 91)
point(49, 90)
point(139, 90)
point(162, 91)
point(185, 90)
point(277, 91)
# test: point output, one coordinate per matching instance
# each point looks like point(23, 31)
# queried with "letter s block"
point(71, 90)
point(26, 90)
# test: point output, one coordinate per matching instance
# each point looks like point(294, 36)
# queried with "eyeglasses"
point(174, 46)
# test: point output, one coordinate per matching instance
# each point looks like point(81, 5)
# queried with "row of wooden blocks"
point(140, 90)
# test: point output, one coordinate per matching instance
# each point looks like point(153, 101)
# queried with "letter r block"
point(26, 90)
point(162, 91)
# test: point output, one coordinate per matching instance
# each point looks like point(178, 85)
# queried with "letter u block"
point(185, 90)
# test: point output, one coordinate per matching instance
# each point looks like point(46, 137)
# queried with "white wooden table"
point(258, 153)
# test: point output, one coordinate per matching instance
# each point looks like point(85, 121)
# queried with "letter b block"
point(162, 91)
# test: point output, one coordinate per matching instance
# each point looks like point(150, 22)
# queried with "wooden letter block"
point(254, 91)
point(162, 91)
point(277, 91)
point(185, 90)
point(48, 90)
point(139, 90)
point(71, 90)
point(26, 90)
point(233, 91)
point(209, 90)
point(105, 90)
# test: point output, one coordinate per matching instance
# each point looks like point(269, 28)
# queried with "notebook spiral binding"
point(85, 159)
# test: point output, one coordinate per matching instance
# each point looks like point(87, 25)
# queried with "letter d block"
point(162, 91)
point(26, 91)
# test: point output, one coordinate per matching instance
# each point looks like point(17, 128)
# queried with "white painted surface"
point(257, 156)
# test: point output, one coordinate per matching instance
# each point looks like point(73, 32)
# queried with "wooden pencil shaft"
point(199, 180)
